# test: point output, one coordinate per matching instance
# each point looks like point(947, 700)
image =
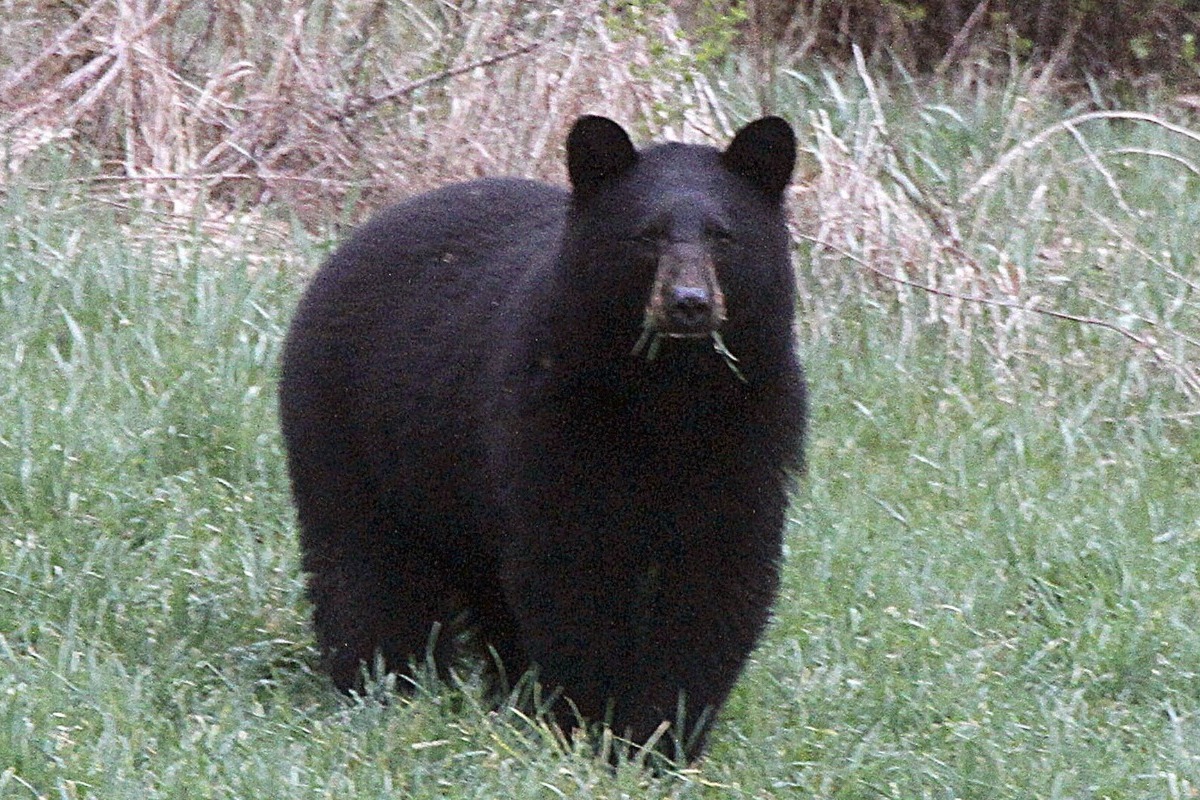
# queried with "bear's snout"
point(687, 299)
point(690, 309)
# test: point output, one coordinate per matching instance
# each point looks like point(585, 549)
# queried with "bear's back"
point(433, 236)
point(415, 280)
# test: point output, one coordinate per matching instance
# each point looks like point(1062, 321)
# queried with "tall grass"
point(990, 587)
point(1010, 223)
point(324, 104)
point(224, 114)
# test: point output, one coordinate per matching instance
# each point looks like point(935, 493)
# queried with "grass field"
point(991, 587)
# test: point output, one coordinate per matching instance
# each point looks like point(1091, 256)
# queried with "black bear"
point(563, 422)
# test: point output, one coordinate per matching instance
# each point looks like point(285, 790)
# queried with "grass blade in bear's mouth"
point(651, 340)
point(725, 353)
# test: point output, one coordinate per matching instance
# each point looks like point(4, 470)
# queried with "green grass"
point(991, 590)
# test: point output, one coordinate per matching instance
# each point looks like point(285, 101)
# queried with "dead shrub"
point(321, 105)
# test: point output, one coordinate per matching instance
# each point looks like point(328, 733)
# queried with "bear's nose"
point(690, 309)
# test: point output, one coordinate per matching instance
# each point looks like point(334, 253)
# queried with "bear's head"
point(681, 242)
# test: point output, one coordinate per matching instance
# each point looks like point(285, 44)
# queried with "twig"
point(959, 44)
point(353, 107)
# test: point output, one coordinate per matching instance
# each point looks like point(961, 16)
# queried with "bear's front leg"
point(637, 639)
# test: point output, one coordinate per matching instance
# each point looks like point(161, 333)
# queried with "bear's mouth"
point(650, 342)
point(686, 302)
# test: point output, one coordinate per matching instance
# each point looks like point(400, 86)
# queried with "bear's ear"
point(763, 152)
point(597, 149)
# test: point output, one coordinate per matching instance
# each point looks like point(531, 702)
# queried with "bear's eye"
point(718, 234)
point(646, 238)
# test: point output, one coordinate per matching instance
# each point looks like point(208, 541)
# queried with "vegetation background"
point(991, 587)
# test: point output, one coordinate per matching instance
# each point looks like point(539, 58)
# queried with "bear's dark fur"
point(567, 419)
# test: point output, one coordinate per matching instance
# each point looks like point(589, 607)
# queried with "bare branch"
point(356, 106)
point(958, 46)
